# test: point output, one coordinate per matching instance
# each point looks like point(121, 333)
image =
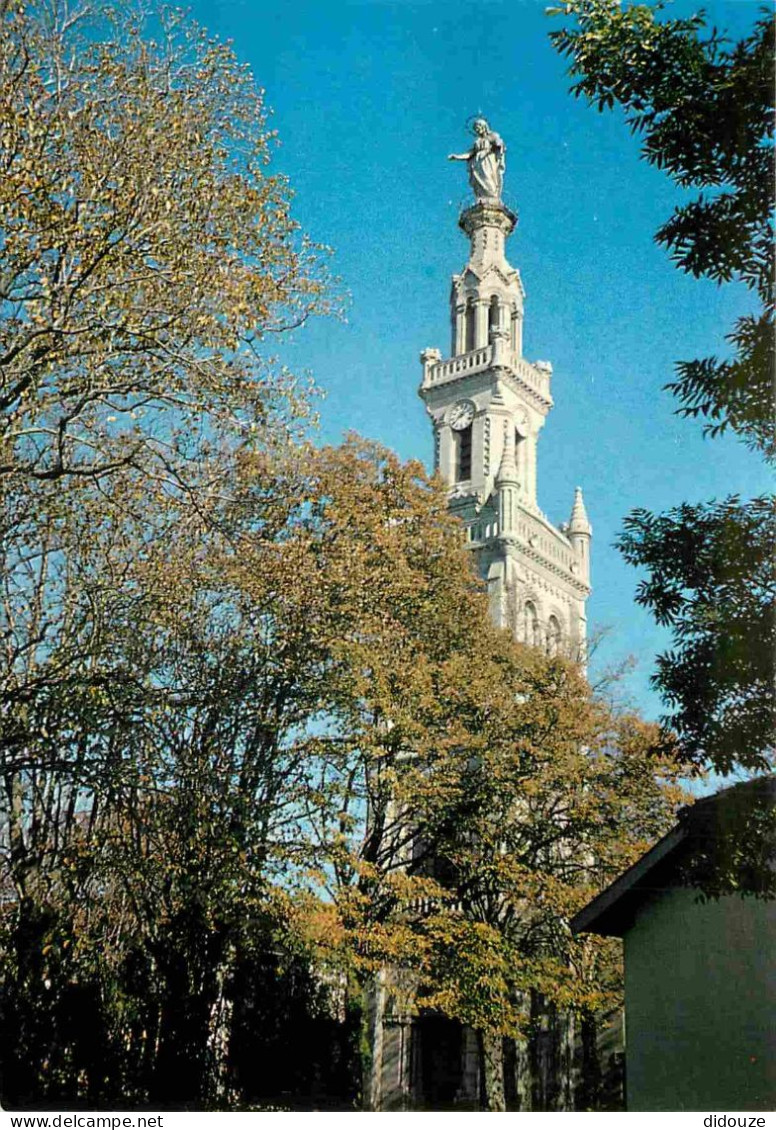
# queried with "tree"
point(560, 796)
point(718, 678)
point(146, 252)
point(239, 685)
point(147, 256)
point(479, 794)
point(414, 637)
point(704, 107)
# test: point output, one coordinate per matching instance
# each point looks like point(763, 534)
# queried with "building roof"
point(613, 911)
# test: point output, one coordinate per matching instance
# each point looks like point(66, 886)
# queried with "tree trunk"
point(523, 1073)
point(492, 1046)
point(565, 1022)
point(221, 1015)
point(591, 1064)
point(372, 1044)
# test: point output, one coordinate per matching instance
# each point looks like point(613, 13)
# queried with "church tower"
point(487, 405)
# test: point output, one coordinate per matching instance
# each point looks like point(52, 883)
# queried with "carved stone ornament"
point(430, 356)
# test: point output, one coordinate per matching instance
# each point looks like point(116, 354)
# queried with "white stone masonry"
point(487, 405)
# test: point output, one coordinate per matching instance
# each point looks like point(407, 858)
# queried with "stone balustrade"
point(472, 362)
point(437, 372)
point(533, 532)
point(538, 379)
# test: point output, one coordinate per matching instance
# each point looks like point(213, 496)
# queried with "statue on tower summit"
point(486, 160)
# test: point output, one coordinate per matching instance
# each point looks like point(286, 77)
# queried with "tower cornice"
point(487, 214)
point(575, 582)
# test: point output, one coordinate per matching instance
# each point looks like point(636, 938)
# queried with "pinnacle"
point(507, 471)
point(579, 523)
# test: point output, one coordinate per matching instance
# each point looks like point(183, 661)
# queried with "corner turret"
point(579, 532)
point(507, 484)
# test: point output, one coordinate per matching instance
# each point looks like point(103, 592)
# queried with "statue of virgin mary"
point(486, 161)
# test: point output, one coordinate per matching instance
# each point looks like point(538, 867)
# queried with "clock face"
point(461, 415)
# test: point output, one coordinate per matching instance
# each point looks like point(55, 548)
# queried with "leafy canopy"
point(146, 251)
point(703, 106)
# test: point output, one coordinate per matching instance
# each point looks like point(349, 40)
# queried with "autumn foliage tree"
point(472, 792)
point(147, 254)
point(147, 251)
point(147, 257)
point(542, 796)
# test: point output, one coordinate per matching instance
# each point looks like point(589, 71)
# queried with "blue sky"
point(369, 98)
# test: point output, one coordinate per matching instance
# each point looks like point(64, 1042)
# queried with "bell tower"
point(487, 405)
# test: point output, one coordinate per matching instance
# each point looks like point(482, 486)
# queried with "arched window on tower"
point(520, 458)
point(463, 454)
point(531, 624)
point(554, 635)
point(469, 336)
point(515, 326)
point(494, 315)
